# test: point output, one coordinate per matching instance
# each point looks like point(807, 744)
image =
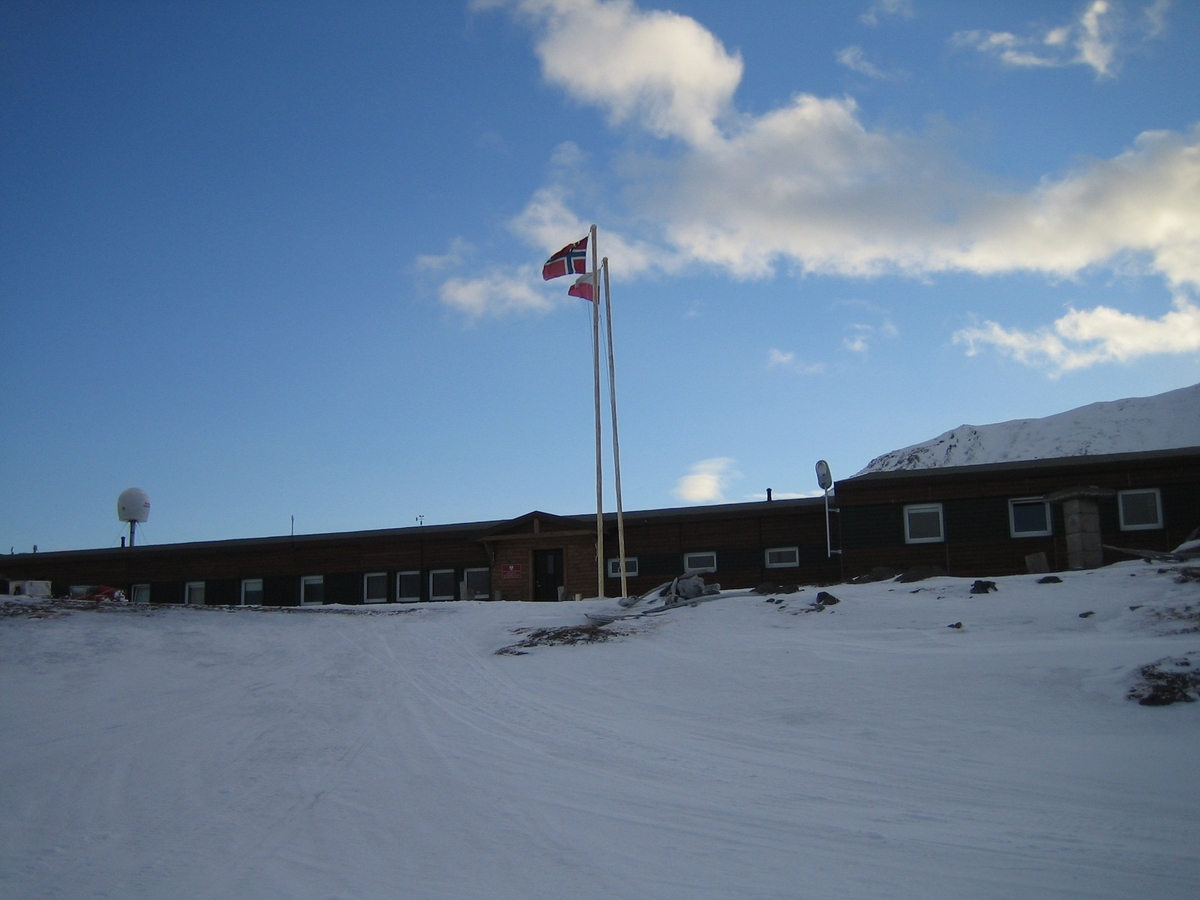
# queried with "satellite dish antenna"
point(824, 476)
point(133, 506)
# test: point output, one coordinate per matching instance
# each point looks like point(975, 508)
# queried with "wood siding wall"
point(974, 502)
point(739, 535)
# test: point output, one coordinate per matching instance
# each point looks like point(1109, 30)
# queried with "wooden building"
point(538, 556)
point(988, 519)
point(1008, 518)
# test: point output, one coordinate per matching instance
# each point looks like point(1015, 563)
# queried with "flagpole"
point(612, 398)
point(599, 464)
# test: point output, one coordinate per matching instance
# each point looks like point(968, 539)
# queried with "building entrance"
point(547, 574)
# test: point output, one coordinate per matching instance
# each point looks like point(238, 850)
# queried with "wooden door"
point(547, 574)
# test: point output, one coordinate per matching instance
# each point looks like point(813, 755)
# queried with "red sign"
point(510, 570)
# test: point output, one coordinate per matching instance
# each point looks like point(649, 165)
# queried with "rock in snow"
point(1163, 422)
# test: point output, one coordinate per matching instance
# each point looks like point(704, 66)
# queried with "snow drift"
point(909, 741)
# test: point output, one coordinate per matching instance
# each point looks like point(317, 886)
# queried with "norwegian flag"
point(570, 260)
point(584, 288)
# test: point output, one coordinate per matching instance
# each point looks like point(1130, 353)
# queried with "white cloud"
point(707, 481)
point(888, 8)
point(1083, 338)
point(659, 69)
point(1095, 39)
point(855, 60)
point(779, 359)
point(857, 341)
point(458, 251)
point(547, 222)
point(1155, 16)
point(809, 187)
point(497, 293)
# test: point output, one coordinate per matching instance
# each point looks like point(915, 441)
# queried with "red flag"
point(584, 288)
point(570, 260)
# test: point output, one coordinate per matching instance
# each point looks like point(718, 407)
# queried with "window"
point(923, 524)
point(1140, 510)
point(140, 593)
point(375, 587)
point(614, 567)
point(1028, 517)
point(441, 584)
point(252, 592)
point(193, 593)
point(312, 590)
point(695, 563)
point(783, 557)
point(408, 587)
point(479, 583)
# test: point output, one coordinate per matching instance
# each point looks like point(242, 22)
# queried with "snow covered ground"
point(739, 749)
point(1163, 422)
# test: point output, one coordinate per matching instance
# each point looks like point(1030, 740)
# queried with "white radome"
point(133, 505)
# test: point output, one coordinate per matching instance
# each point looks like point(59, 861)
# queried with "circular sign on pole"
point(824, 476)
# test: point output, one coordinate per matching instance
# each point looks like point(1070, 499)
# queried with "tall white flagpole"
point(612, 399)
point(596, 373)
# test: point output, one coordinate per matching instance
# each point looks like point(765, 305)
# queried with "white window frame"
point(306, 580)
point(139, 593)
point(467, 580)
point(1121, 495)
point(1012, 519)
point(794, 564)
point(242, 592)
point(187, 593)
point(692, 567)
point(384, 597)
point(631, 567)
point(450, 596)
point(400, 598)
point(925, 507)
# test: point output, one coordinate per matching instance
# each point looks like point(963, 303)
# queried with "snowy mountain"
point(1162, 422)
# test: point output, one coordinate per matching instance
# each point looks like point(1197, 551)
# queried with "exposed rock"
point(920, 573)
point(1170, 680)
point(879, 573)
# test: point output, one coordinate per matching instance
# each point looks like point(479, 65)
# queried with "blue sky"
point(267, 260)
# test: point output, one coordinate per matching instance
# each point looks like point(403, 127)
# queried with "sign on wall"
point(510, 570)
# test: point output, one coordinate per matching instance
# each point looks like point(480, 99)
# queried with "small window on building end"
point(375, 587)
point(193, 593)
point(408, 587)
point(441, 584)
point(1140, 510)
point(697, 563)
point(783, 557)
point(252, 592)
point(1029, 517)
point(312, 590)
point(140, 593)
point(479, 583)
point(923, 523)
point(631, 567)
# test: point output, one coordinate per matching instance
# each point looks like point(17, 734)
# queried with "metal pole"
point(612, 399)
point(596, 374)
point(828, 545)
